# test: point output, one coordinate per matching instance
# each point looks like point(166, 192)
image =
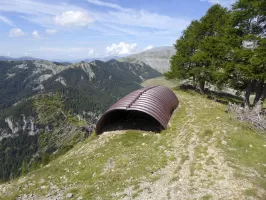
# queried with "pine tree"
point(201, 49)
point(249, 53)
point(182, 66)
point(212, 48)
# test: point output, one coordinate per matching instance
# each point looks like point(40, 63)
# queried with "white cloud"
point(36, 35)
point(139, 22)
point(39, 12)
point(106, 4)
point(73, 18)
point(69, 50)
point(148, 48)
point(226, 3)
point(91, 52)
point(51, 31)
point(6, 20)
point(146, 19)
point(127, 19)
point(27, 54)
point(16, 32)
point(121, 48)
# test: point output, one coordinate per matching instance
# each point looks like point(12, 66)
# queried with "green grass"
point(250, 150)
point(135, 155)
point(208, 133)
point(125, 160)
point(195, 167)
point(160, 81)
point(250, 192)
point(239, 136)
point(206, 197)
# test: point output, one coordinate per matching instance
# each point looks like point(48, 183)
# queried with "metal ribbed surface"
point(157, 101)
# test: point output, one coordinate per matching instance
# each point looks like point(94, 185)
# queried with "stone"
point(80, 198)
point(43, 187)
point(48, 195)
point(250, 198)
point(69, 195)
point(250, 145)
point(224, 142)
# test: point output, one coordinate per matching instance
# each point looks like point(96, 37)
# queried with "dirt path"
point(199, 170)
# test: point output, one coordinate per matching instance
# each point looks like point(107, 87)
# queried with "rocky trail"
point(199, 169)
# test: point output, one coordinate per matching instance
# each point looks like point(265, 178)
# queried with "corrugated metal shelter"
point(148, 108)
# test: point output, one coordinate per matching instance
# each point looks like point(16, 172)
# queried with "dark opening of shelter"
point(125, 120)
point(148, 109)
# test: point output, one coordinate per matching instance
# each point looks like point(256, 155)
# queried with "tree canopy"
point(226, 47)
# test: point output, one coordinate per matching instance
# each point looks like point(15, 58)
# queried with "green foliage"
point(225, 48)
point(45, 159)
point(201, 49)
point(15, 154)
point(13, 87)
point(50, 109)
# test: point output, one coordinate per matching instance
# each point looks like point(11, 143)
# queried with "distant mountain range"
point(7, 58)
point(104, 59)
point(158, 58)
point(95, 81)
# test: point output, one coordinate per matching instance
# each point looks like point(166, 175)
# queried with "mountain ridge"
point(158, 58)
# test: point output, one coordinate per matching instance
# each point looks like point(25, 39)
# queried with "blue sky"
point(77, 29)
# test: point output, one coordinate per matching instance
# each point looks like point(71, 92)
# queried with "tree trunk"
point(202, 86)
point(263, 96)
point(259, 91)
point(194, 82)
point(248, 93)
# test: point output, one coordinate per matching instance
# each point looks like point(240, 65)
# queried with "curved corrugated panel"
point(157, 101)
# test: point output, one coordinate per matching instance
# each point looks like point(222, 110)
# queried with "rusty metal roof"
point(156, 101)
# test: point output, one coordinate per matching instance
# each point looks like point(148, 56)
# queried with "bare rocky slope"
point(158, 58)
point(204, 154)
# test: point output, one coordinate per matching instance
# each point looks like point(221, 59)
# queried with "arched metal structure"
point(154, 104)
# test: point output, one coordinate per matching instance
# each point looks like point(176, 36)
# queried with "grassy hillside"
point(160, 81)
point(204, 154)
